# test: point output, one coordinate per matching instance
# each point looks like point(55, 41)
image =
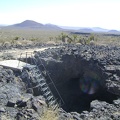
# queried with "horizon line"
point(77, 27)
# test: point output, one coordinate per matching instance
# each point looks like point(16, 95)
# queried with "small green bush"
point(16, 38)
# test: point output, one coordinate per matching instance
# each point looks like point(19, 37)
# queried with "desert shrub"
point(50, 38)
point(16, 38)
point(34, 39)
point(87, 41)
point(63, 37)
point(2, 42)
point(74, 37)
point(91, 37)
point(13, 42)
point(80, 41)
point(69, 41)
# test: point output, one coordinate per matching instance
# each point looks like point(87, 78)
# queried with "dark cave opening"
point(79, 92)
point(80, 100)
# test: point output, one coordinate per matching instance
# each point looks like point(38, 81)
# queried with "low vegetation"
point(49, 114)
point(29, 36)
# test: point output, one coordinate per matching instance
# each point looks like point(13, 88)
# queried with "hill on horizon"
point(30, 24)
point(113, 31)
point(33, 24)
point(86, 30)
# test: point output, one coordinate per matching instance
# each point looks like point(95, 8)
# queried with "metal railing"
point(42, 84)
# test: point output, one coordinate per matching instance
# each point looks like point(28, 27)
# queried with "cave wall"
point(82, 72)
point(72, 75)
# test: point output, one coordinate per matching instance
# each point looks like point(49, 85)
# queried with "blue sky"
point(78, 13)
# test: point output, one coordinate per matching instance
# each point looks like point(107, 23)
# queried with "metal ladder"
point(49, 97)
point(37, 75)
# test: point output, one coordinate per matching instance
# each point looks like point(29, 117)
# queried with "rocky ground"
point(64, 64)
point(13, 51)
point(24, 46)
point(98, 66)
point(70, 61)
point(15, 103)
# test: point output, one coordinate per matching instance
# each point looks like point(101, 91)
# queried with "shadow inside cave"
point(80, 100)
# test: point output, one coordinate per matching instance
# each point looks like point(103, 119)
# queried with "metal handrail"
point(35, 62)
point(51, 80)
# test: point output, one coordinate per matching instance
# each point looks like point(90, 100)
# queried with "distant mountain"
point(98, 29)
point(70, 28)
point(113, 31)
point(86, 30)
point(28, 23)
point(33, 24)
point(52, 26)
point(36, 25)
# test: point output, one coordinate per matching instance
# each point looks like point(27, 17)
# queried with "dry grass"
point(26, 35)
point(29, 36)
point(4, 117)
point(117, 113)
point(50, 115)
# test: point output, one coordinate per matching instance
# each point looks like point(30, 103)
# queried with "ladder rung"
point(46, 94)
point(44, 89)
point(36, 72)
point(38, 79)
point(52, 103)
point(38, 75)
point(55, 106)
point(42, 84)
point(49, 98)
point(42, 80)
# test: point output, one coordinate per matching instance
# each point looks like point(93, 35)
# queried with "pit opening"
point(80, 98)
point(78, 85)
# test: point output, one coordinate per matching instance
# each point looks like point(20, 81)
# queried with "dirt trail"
point(16, 52)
